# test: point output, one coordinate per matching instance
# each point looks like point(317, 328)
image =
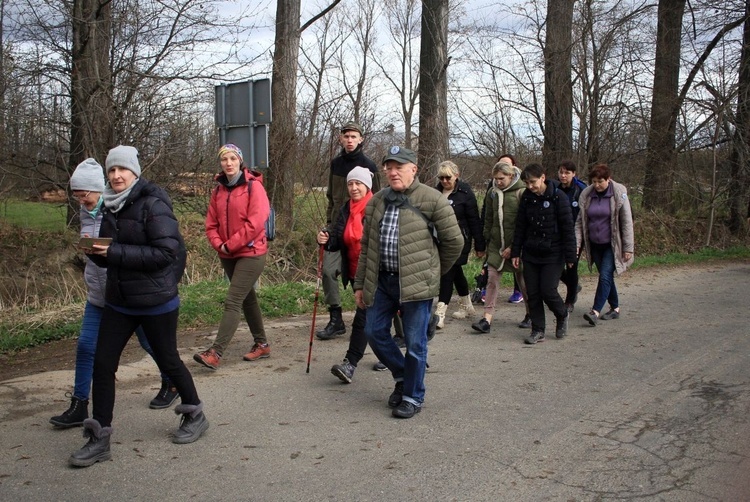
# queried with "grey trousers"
point(330, 278)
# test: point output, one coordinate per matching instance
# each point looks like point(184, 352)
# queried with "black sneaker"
point(526, 323)
point(562, 327)
point(344, 371)
point(166, 396)
point(406, 410)
point(611, 314)
point(591, 317)
point(378, 366)
point(481, 325)
point(534, 337)
point(397, 395)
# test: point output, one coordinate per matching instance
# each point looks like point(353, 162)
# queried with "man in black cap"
point(351, 156)
point(411, 237)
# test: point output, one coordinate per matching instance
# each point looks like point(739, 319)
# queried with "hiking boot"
point(516, 297)
point(465, 308)
point(209, 358)
point(74, 415)
point(562, 326)
point(97, 449)
point(397, 395)
point(482, 325)
point(406, 410)
point(259, 351)
point(611, 314)
point(592, 317)
point(378, 366)
point(335, 326)
point(166, 396)
point(534, 337)
point(526, 323)
point(192, 424)
point(344, 371)
point(440, 314)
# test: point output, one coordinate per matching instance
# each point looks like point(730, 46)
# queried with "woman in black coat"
point(464, 203)
point(145, 260)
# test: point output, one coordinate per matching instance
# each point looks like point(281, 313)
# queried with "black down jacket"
point(544, 227)
point(464, 204)
point(147, 256)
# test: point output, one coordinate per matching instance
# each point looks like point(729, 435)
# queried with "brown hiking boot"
point(209, 359)
point(259, 351)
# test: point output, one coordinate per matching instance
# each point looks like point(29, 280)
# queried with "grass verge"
point(202, 302)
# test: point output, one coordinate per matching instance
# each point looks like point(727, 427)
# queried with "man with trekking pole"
point(411, 237)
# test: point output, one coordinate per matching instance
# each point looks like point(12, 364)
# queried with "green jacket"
point(421, 261)
point(500, 223)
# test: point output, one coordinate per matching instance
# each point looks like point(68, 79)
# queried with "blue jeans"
point(604, 259)
point(92, 316)
point(409, 368)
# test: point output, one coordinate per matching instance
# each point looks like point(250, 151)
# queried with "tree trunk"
point(283, 134)
point(433, 88)
point(740, 157)
point(558, 87)
point(91, 114)
point(661, 155)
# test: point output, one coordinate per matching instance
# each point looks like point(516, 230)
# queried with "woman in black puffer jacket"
point(545, 239)
point(144, 261)
point(464, 204)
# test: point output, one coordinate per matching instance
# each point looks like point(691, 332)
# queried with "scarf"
point(235, 178)
point(94, 211)
point(353, 231)
point(115, 201)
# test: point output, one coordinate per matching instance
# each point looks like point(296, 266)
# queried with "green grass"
point(35, 215)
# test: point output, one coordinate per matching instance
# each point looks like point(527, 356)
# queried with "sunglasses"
point(445, 178)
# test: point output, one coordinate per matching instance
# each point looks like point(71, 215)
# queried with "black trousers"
point(454, 276)
point(542, 280)
point(358, 340)
point(569, 277)
point(114, 332)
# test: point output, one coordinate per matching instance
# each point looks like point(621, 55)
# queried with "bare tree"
point(433, 87)
point(740, 157)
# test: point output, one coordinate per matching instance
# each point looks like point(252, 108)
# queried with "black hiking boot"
point(335, 326)
point(97, 449)
point(166, 396)
point(73, 416)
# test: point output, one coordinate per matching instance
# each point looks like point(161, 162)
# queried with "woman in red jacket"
point(235, 227)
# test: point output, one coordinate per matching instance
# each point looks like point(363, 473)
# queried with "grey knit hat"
point(361, 174)
point(88, 176)
point(123, 156)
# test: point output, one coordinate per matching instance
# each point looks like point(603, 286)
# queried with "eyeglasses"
point(81, 195)
point(445, 178)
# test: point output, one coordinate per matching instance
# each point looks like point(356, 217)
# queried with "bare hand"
point(515, 261)
point(322, 237)
point(627, 256)
point(480, 254)
point(505, 253)
point(99, 249)
point(224, 249)
point(359, 299)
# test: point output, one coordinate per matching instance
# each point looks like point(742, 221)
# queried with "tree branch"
point(319, 15)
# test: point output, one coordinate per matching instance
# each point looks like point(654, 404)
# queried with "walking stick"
point(315, 305)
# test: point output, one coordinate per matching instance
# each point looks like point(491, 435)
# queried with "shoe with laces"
point(378, 366)
point(74, 415)
point(259, 351)
point(592, 317)
point(611, 314)
point(405, 409)
point(209, 358)
point(344, 371)
point(516, 297)
point(193, 423)
point(166, 396)
point(562, 326)
point(397, 395)
point(526, 323)
point(534, 337)
point(482, 326)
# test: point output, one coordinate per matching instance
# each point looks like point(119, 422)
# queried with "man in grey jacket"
point(410, 238)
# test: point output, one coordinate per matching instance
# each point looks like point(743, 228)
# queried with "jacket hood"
point(146, 188)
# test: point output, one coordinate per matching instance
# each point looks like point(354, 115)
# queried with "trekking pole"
point(315, 305)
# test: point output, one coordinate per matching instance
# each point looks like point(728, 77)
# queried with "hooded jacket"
point(621, 221)
point(500, 221)
point(464, 204)
point(146, 258)
point(421, 260)
point(337, 193)
point(237, 216)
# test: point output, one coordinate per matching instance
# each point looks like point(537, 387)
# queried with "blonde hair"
point(504, 167)
point(447, 168)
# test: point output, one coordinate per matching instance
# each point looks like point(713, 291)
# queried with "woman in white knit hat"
point(144, 261)
point(87, 185)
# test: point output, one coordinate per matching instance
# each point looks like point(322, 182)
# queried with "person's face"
point(600, 184)
point(448, 181)
point(565, 176)
point(502, 180)
point(400, 176)
point(87, 198)
point(536, 185)
point(230, 164)
point(357, 190)
point(120, 178)
point(350, 140)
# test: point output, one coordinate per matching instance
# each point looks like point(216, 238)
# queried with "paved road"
point(653, 406)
